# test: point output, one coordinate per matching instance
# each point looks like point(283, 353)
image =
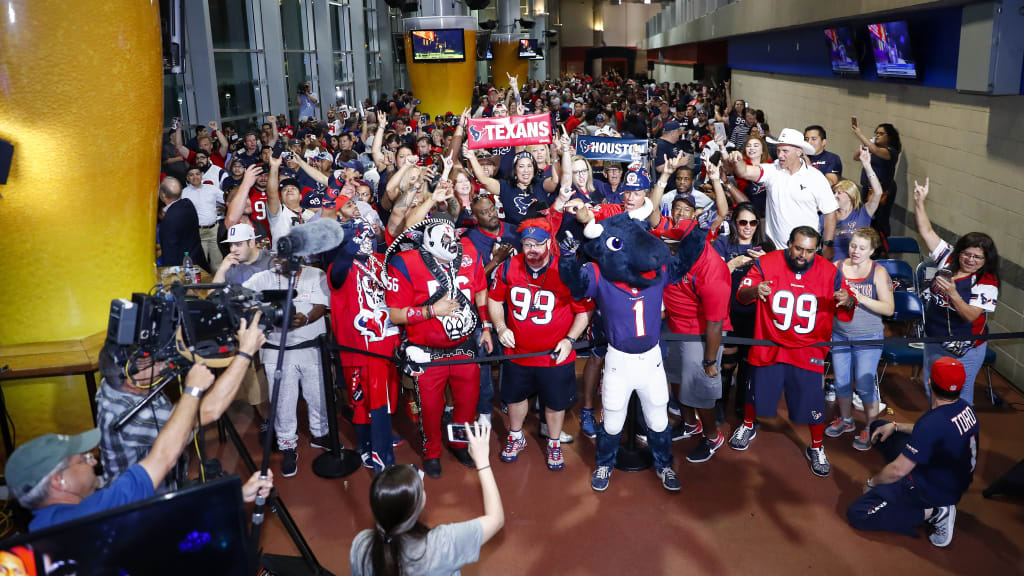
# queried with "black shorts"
point(805, 397)
point(555, 384)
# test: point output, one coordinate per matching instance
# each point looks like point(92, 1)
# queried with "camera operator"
point(307, 102)
point(301, 359)
point(126, 382)
point(54, 475)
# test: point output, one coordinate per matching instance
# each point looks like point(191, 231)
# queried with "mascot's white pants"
point(624, 373)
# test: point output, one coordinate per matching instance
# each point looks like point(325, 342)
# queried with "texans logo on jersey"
point(523, 203)
point(474, 133)
point(375, 325)
point(501, 151)
point(466, 261)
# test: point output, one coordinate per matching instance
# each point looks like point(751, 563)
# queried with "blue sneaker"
point(599, 480)
point(587, 423)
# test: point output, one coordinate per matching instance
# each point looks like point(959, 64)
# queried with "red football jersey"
point(701, 297)
point(359, 313)
point(412, 285)
point(539, 311)
point(799, 312)
point(258, 203)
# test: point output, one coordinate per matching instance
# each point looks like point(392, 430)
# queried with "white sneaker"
point(563, 436)
point(943, 520)
point(858, 405)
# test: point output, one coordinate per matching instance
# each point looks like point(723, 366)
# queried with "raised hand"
point(865, 157)
point(921, 192)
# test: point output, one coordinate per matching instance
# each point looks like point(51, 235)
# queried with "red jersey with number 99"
point(258, 203)
point(411, 284)
point(798, 313)
point(539, 310)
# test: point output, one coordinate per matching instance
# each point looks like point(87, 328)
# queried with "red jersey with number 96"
point(798, 313)
point(539, 310)
point(412, 284)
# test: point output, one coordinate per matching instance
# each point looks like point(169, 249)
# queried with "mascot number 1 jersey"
point(631, 316)
point(799, 312)
point(412, 284)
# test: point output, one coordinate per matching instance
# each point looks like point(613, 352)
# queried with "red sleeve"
point(753, 278)
point(585, 305)
point(400, 294)
point(846, 314)
point(478, 283)
point(602, 211)
point(712, 284)
point(571, 123)
point(498, 289)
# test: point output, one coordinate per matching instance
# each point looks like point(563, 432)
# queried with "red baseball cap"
point(948, 374)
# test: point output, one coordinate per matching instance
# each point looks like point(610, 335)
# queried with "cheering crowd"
point(453, 252)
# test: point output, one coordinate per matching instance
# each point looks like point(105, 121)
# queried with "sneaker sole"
point(741, 449)
point(713, 450)
point(556, 467)
point(596, 489)
point(672, 488)
point(815, 472)
point(834, 434)
point(951, 519)
point(315, 445)
point(861, 447)
point(586, 435)
point(294, 472)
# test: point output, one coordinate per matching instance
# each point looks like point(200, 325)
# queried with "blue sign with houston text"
point(604, 148)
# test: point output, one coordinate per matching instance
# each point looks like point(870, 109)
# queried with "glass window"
point(292, 26)
point(236, 83)
point(174, 94)
point(341, 28)
point(298, 69)
point(230, 22)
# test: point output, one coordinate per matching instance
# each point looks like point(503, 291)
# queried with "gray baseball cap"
point(33, 460)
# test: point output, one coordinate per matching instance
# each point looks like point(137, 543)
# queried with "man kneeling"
point(941, 449)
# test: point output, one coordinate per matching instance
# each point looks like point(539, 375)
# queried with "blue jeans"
point(972, 362)
point(855, 367)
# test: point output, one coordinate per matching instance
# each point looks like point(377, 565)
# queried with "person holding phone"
point(885, 148)
point(957, 301)
point(401, 544)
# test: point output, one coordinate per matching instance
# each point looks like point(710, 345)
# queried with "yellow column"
point(507, 62)
point(447, 86)
point(82, 100)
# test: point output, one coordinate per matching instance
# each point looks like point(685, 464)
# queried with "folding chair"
point(903, 245)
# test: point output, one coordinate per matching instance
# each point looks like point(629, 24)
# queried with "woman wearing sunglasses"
point(745, 243)
point(401, 544)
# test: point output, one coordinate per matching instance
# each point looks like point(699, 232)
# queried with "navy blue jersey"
point(515, 201)
point(944, 445)
point(729, 251)
point(827, 163)
point(484, 242)
point(631, 316)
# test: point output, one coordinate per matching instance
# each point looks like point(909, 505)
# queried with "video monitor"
point(894, 54)
point(539, 55)
point(197, 531)
point(447, 45)
point(528, 48)
point(842, 50)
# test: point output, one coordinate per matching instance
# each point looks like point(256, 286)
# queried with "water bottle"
point(186, 269)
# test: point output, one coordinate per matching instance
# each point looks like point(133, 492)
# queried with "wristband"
point(414, 315)
point(708, 363)
point(244, 355)
point(484, 468)
point(485, 316)
point(570, 339)
point(193, 391)
point(895, 427)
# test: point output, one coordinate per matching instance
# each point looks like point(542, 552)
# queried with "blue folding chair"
point(903, 277)
point(910, 311)
point(903, 245)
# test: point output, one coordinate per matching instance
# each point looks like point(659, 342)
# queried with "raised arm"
point(924, 225)
point(222, 141)
point(177, 432)
point(741, 169)
point(273, 130)
point(312, 172)
point(236, 208)
point(378, 142)
point(864, 141)
point(176, 140)
point(492, 185)
point(273, 195)
point(479, 448)
point(875, 198)
point(721, 203)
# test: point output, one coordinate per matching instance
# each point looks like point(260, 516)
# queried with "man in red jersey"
point(359, 316)
point(432, 292)
point(798, 294)
point(249, 204)
point(541, 317)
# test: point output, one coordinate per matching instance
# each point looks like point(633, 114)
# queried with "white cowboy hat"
point(792, 137)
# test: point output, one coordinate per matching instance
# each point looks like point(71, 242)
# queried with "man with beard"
point(542, 316)
point(432, 292)
point(212, 174)
point(359, 316)
point(798, 294)
point(249, 203)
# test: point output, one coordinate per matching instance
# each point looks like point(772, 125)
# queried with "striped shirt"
point(120, 449)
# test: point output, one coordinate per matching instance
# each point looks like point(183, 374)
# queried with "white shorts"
point(624, 373)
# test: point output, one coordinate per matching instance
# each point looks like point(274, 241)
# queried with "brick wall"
point(971, 146)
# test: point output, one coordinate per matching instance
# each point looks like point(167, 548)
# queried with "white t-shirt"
point(214, 175)
point(282, 222)
point(311, 288)
point(794, 199)
point(205, 199)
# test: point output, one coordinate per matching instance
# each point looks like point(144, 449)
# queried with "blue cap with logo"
point(636, 179)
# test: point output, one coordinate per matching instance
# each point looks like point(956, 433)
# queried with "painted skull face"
point(440, 242)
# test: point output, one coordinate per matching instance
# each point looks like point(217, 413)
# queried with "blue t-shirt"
point(605, 190)
point(515, 201)
point(132, 486)
point(827, 163)
point(844, 231)
point(944, 447)
point(484, 242)
point(631, 317)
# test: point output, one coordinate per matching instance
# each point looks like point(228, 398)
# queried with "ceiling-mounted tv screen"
point(842, 50)
point(894, 54)
point(438, 45)
point(539, 55)
point(528, 48)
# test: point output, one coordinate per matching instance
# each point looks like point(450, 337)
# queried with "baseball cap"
point(352, 164)
point(33, 460)
point(288, 182)
point(601, 118)
point(670, 126)
point(637, 180)
point(604, 131)
point(948, 374)
point(324, 156)
point(240, 233)
point(535, 233)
